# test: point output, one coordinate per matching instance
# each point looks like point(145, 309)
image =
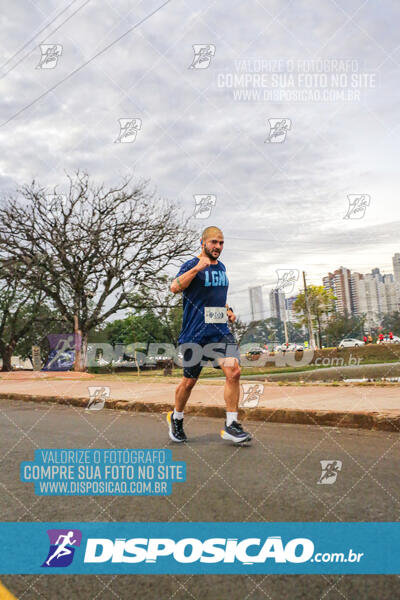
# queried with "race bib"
point(215, 314)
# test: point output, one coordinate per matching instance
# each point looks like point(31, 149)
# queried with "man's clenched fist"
point(203, 263)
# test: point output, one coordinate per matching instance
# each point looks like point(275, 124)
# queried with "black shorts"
point(198, 355)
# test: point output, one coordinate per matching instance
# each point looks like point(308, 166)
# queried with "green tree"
point(295, 332)
point(144, 327)
point(271, 330)
point(161, 311)
point(44, 322)
point(340, 326)
point(263, 331)
point(238, 328)
point(156, 316)
point(320, 302)
point(260, 332)
point(22, 312)
point(391, 322)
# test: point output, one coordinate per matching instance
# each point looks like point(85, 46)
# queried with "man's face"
point(213, 246)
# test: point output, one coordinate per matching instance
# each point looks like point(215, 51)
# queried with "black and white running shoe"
point(176, 432)
point(234, 432)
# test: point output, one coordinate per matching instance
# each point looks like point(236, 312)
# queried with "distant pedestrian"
point(380, 338)
point(365, 339)
point(370, 339)
point(390, 335)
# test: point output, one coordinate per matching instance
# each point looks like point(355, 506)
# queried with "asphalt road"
point(273, 479)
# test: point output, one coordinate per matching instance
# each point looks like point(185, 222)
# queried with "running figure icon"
point(62, 549)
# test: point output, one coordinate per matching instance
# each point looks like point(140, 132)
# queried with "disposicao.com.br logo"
point(62, 547)
point(247, 551)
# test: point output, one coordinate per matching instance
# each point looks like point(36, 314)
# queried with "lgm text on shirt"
point(212, 550)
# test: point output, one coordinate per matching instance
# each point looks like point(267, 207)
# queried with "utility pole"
point(310, 327)
point(285, 322)
point(77, 339)
point(130, 312)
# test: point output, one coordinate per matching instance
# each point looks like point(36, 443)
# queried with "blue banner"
point(199, 548)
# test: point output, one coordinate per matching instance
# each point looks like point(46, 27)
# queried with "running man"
point(62, 549)
point(204, 284)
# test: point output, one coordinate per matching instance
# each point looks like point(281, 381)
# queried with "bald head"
point(212, 243)
point(211, 232)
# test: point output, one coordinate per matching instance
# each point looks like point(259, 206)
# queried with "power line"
point(35, 36)
point(44, 39)
point(84, 64)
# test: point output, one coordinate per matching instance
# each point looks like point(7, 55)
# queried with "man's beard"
point(209, 254)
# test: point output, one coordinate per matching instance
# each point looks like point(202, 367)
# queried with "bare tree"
point(90, 249)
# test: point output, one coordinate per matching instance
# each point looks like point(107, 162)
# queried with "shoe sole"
point(227, 436)
point(171, 435)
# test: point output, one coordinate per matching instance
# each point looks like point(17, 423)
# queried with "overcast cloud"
point(279, 204)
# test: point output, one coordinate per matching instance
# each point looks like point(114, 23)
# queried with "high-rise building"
point(256, 303)
point(373, 294)
point(290, 314)
point(358, 293)
point(396, 267)
point(396, 277)
point(391, 291)
point(339, 282)
point(376, 272)
point(277, 304)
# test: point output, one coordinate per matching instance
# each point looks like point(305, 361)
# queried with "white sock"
point(230, 417)
point(177, 415)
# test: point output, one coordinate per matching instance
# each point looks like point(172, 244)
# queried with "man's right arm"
point(183, 281)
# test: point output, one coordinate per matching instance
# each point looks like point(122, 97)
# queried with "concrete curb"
point(372, 420)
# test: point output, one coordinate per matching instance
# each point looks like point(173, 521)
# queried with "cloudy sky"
point(281, 204)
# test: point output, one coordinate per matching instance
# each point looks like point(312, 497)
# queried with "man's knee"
point(188, 382)
point(233, 373)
